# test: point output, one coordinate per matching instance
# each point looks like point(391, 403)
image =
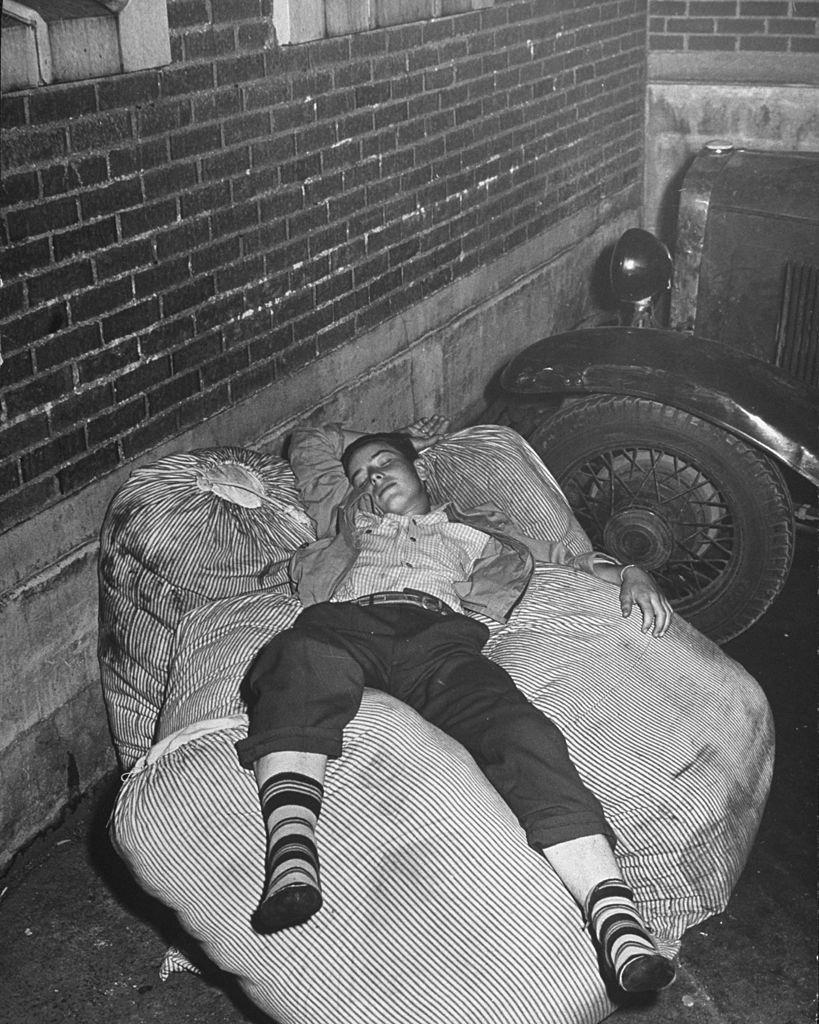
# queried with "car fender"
point(744, 395)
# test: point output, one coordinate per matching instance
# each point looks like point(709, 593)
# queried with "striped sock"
point(629, 953)
point(291, 803)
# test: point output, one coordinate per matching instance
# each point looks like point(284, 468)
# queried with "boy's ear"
point(421, 470)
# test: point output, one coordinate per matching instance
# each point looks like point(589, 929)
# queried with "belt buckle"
point(428, 601)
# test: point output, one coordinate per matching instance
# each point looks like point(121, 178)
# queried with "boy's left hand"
point(640, 589)
point(427, 431)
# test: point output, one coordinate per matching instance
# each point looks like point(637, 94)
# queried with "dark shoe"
point(647, 973)
point(292, 905)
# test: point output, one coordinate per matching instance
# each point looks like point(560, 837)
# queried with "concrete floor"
point(81, 945)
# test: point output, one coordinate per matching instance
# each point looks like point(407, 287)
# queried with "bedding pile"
point(435, 907)
point(188, 530)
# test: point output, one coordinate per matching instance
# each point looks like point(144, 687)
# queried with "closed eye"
point(381, 464)
point(380, 460)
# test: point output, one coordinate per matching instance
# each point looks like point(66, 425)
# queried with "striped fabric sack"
point(435, 907)
point(494, 463)
point(181, 533)
point(213, 649)
point(674, 737)
point(436, 910)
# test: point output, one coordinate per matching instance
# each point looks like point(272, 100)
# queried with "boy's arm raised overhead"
point(315, 457)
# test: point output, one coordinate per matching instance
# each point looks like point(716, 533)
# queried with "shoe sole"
point(292, 905)
point(648, 973)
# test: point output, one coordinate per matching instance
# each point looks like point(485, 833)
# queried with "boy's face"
point(390, 478)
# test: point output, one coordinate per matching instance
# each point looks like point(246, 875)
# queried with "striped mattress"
point(436, 910)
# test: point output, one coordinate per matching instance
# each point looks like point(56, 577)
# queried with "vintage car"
point(679, 447)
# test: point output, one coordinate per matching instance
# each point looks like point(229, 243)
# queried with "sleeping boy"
point(385, 587)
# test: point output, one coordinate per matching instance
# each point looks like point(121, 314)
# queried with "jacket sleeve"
point(496, 582)
point(557, 552)
point(315, 457)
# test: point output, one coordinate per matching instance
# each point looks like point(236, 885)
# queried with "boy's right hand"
point(427, 431)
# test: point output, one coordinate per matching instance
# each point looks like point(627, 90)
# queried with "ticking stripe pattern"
point(214, 647)
point(493, 463)
point(181, 533)
point(437, 902)
point(674, 737)
point(435, 908)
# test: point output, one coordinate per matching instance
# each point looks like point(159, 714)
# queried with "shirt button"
point(407, 565)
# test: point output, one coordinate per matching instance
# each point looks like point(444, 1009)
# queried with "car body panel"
point(732, 389)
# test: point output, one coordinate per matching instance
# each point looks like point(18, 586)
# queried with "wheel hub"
point(639, 535)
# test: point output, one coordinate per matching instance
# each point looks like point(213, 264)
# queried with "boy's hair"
point(400, 442)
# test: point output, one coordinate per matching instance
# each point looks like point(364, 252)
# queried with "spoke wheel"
point(708, 515)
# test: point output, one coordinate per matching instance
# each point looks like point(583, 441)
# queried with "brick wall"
point(749, 26)
point(173, 240)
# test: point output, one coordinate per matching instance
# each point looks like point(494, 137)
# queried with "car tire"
point(709, 516)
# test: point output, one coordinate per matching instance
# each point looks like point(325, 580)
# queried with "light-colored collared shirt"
point(423, 552)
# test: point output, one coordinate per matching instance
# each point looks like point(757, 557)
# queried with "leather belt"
point(417, 597)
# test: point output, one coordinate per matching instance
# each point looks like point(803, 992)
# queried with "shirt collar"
point(438, 514)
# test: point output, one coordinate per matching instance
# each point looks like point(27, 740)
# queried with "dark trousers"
point(305, 685)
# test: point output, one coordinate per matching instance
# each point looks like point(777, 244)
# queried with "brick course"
point(775, 26)
point(178, 238)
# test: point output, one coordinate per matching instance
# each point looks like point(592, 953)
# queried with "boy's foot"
point(628, 953)
point(291, 802)
point(286, 907)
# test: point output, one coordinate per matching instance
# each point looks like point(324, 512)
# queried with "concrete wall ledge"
point(735, 68)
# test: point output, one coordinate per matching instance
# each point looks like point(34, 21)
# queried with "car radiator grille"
point(797, 332)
